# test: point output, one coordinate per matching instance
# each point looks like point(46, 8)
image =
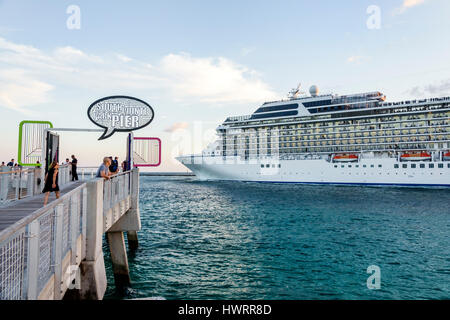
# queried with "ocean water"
point(235, 240)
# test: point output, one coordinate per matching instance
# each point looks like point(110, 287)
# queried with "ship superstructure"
point(354, 139)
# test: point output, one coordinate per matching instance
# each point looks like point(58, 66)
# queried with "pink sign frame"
point(159, 160)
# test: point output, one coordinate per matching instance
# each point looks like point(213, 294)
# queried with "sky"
point(198, 62)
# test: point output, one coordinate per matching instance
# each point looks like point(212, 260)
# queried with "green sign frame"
point(19, 153)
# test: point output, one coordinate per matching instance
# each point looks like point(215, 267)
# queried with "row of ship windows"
point(311, 147)
point(443, 127)
point(397, 166)
point(382, 114)
point(348, 126)
point(268, 166)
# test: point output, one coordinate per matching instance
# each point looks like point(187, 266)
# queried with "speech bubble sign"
point(120, 113)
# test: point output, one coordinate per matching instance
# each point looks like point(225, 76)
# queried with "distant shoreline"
point(167, 174)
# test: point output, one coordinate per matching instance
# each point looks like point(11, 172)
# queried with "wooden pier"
point(52, 252)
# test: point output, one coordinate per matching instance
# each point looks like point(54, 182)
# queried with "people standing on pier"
point(124, 166)
point(51, 182)
point(67, 163)
point(114, 167)
point(103, 170)
point(74, 168)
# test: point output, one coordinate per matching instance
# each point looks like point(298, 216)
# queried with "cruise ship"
point(333, 139)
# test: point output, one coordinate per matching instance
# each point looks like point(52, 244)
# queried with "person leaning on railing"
point(103, 170)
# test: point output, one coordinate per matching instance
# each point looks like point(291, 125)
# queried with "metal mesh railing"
point(32, 249)
point(116, 189)
point(16, 183)
point(66, 227)
point(64, 175)
point(12, 266)
point(46, 248)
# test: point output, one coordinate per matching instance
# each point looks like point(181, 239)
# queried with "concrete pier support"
point(119, 258)
point(131, 221)
point(93, 273)
point(133, 241)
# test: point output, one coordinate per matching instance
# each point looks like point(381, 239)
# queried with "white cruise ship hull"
point(377, 171)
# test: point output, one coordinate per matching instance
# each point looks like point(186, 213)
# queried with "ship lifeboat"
point(446, 156)
point(416, 156)
point(345, 158)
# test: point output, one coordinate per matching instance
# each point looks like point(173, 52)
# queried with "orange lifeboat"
point(415, 156)
point(446, 156)
point(345, 158)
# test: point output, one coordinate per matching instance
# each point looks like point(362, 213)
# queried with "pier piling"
point(133, 242)
point(119, 258)
point(93, 273)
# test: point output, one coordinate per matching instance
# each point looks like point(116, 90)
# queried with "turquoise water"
point(233, 240)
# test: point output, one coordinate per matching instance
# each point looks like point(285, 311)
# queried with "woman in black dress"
point(51, 181)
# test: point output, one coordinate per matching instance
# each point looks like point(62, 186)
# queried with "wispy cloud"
point(407, 4)
point(355, 59)
point(442, 88)
point(435, 89)
point(177, 126)
point(247, 50)
point(37, 73)
point(123, 58)
point(213, 79)
point(19, 90)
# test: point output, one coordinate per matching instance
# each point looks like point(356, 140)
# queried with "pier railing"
point(87, 173)
point(36, 253)
point(40, 254)
point(116, 190)
point(16, 183)
point(64, 176)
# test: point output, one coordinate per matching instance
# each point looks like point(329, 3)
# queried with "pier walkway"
point(56, 251)
point(16, 210)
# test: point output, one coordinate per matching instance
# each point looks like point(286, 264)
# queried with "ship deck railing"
point(384, 109)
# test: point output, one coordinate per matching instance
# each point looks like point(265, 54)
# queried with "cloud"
point(436, 89)
point(355, 59)
point(213, 79)
point(177, 126)
point(19, 91)
point(415, 92)
point(407, 4)
point(247, 50)
point(123, 58)
point(442, 88)
point(73, 55)
point(173, 77)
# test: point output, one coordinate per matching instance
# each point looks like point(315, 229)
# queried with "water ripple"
point(232, 240)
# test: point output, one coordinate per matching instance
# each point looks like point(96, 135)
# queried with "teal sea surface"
point(236, 240)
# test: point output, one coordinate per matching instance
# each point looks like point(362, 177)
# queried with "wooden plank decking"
point(19, 209)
